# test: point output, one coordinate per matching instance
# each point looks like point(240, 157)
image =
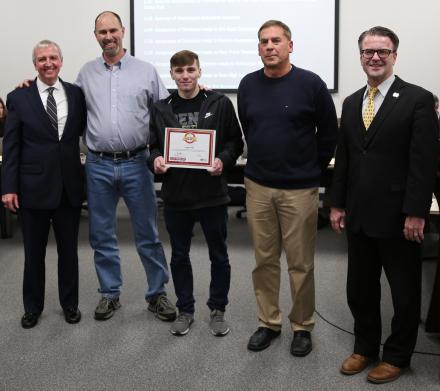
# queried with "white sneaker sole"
point(220, 334)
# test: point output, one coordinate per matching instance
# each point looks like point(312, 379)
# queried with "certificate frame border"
point(210, 162)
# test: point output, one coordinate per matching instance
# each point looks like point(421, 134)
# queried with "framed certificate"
point(189, 148)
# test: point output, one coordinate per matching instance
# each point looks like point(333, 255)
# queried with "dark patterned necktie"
point(51, 108)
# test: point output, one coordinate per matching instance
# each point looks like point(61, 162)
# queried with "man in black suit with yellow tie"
point(384, 175)
point(42, 178)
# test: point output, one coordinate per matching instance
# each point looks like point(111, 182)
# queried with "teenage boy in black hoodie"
point(192, 195)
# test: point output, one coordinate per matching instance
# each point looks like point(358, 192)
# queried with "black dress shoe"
point(262, 338)
point(29, 320)
point(301, 344)
point(72, 315)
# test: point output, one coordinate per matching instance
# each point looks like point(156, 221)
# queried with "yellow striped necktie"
point(368, 114)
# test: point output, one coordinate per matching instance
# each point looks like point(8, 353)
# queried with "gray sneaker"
point(106, 308)
point(162, 307)
point(218, 325)
point(182, 324)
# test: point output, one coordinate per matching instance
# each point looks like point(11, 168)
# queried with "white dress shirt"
point(61, 100)
point(380, 96)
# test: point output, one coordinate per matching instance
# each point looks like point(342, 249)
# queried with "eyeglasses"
point(382, 53)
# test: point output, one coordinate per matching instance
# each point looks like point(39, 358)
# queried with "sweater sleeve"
point(326, 126)
point(233, 140)
point(240, 108)
point(340, 173)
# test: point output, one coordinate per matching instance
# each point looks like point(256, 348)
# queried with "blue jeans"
point(180, 224)
point(107, 181)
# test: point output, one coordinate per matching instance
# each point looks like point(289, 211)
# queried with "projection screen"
point(224, 35)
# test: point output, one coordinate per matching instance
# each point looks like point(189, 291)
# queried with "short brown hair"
point(184, 57)
point(381, 32)
point(277, 23)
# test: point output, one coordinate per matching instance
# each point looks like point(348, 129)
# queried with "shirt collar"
point(382, 87)
point(42, 87)
point(119, 64)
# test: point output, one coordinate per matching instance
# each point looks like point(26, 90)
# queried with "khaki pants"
point(283, 219)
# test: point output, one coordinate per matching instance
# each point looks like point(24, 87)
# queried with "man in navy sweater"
point(289, 122)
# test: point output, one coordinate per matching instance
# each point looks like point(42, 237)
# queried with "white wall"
point(70, 23)
point(418, 27)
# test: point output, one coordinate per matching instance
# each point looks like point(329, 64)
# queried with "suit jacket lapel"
point(385, 109)
point(36, 103)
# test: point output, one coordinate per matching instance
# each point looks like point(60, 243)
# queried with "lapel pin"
point(395, 94)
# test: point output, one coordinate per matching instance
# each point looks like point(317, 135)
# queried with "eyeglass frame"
point(376, 51)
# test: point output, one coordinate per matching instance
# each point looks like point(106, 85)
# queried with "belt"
point(120, 155)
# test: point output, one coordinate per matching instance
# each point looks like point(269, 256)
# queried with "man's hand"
point(25, 83)
point(413, 229)
point(337, 219)
point(217, 168)
point(10, 201)
point(159, 165)
point(204, 88)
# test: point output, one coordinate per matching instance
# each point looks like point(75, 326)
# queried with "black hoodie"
point(186, 188)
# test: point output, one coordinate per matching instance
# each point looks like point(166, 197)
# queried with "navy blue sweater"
point(290, 127)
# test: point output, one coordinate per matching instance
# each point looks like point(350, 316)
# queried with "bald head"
point(118, 18)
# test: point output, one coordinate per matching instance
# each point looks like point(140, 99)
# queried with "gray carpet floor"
point(135, 351)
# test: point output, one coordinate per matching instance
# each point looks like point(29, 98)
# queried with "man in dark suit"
point(382, 187)
point(437, 181)
point(42, 178)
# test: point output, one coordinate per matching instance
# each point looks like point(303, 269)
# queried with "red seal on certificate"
point(189, 137)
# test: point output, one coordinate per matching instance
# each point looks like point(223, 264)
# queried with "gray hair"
point(44, 44)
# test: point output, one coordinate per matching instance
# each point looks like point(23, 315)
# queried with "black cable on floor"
point(349, 332)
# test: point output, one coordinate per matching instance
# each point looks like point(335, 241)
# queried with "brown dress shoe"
point(354, 364)
point(384, 373)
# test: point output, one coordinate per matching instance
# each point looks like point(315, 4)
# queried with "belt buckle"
point(118, 156)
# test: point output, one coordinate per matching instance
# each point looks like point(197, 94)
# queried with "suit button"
point(364, 152)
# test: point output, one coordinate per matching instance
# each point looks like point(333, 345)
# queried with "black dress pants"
point(400, 259)
point(35, 225)
point(180, 224)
